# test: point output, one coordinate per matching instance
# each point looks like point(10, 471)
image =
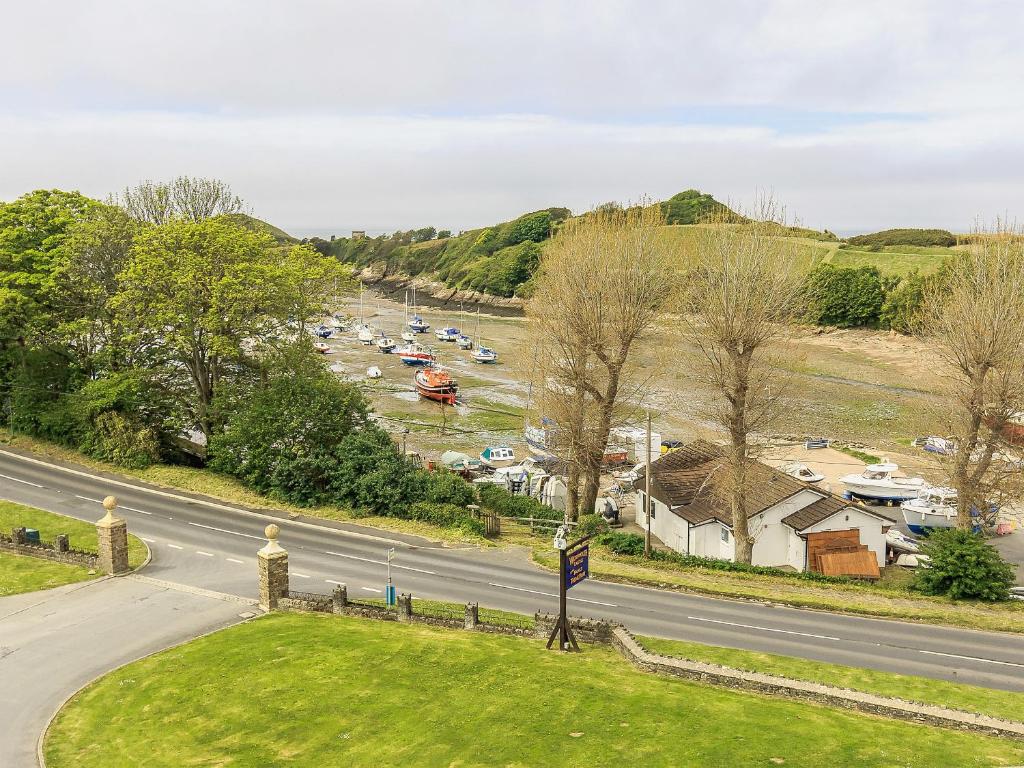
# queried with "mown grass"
point(29, 574)
point(890, 600)
point(867, 458)
point(1007, 705)
point(307, 690)
point(81, 535)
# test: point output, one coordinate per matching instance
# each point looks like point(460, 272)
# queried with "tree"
point(192, 199)
point(204, 297)
point(974, 319)
point(602, 282)
point(741, 289)
point(963, 566)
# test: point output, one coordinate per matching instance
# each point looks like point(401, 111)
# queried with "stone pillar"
point(273, 567)
point(18, 535)
point(112, 540)
point(340, 598)
point(404, 606)
point(61, 543)
point(472, 615)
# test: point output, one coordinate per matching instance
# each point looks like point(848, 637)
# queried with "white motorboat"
point(513, 479)
point(802, 472)
point(900, 542)
point(497, 456)
point(386, 344)
point(447, 334)
point(879, 482)
point(933, 508)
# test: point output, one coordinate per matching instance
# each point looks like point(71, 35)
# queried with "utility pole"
point(647, 489)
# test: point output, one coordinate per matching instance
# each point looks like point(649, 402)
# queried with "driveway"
point(52, 643)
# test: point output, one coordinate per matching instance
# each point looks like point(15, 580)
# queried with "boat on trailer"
point(880, 482)
point(435, 384)
point(934, 508)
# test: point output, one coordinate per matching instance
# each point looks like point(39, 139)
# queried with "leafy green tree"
point(283, 437)
point(902, 305)
point(963, 566)
point(206, 296)
point(845, 296)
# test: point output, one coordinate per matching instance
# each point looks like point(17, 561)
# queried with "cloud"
point(380, 115)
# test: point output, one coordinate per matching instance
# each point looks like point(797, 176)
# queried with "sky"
point(329, 116)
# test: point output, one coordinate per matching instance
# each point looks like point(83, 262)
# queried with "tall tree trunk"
point(744, 545)
point(961, 476)
point(572, 492)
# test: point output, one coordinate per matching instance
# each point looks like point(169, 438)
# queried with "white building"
point(792, 524)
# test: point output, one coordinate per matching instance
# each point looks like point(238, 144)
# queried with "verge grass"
point(20, 573)
point(307, 690)
point(1007, 705)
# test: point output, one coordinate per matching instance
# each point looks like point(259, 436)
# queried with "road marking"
point(371, 589)
point(300, 575)
point(764, 629)
point(133, 509)
point(972, 658)
point(331, 581)
point(225, 530)
point(551, 594)
point(148, 541)
point(174, 546)
point(86, 498)
point(233, 560)
point(18, 480)
point(382, 562)
point(204, 554)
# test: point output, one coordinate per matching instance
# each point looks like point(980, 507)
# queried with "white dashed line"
point(86, 498)
point(19, 480)
point(225, 530)
point(233, 560)
point(204, 554)
point(972, 658)
point(371, 589)
point(331, 581)
point(382, 562)
point(764, 629)
point(133, 509)
point(300, 575)
point(551, 594)
point(174, 546)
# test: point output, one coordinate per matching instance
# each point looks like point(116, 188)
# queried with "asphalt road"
point(211, 545)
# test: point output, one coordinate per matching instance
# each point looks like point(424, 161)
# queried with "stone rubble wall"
point(49, 552)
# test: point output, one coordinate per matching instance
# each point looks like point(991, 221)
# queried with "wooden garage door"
point(840, 553)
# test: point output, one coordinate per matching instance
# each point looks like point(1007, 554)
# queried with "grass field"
point(28, 574)
point(306, 690)
point(1004, 704)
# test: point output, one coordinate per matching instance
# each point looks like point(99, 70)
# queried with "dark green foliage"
point(918, 237)
point(444, 234)
point(691, 207)
point(441, 515)
point(632, 545)
point(903, 303)
point(497, 499)
point(963, 567)
point(845, 296)
point(589, 525)
point(444, 487)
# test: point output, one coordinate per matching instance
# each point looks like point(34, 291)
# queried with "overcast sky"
point(326, 116)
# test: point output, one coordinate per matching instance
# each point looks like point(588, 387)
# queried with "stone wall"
point(586, 630)
point(814, 692)
point(58, 552)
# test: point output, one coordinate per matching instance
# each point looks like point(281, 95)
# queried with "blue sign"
point(577, 566)
point(389, 594)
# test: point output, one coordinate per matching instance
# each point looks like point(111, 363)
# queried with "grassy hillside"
point(259, 225)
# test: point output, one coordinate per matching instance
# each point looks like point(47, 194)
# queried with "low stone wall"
point(821, 694)
point(586, 630)
point(59, 551)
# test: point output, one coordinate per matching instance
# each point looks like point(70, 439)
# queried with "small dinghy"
point(802, 472)
point(373, 372)
point(322, 348)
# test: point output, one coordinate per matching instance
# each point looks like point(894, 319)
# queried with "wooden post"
point(647, 488)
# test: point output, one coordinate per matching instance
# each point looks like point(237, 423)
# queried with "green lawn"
point(82, 535)
point(1004, 704)
point(308, 690)
point(28, 574)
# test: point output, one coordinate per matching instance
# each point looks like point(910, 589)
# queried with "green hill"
point(251, 222)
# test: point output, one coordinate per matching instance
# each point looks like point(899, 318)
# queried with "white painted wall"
point(707, 541)
point(870, 528)
point(775, 543)
point(670, 528)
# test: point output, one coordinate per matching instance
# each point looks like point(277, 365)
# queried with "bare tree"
point(974, 317)
point(601, 285)
point(740, 291)
point(185, 197)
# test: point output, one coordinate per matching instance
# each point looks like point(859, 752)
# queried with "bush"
point(444, 487)
point(630, 544)
point(441, 515)
point(963, 566)
point(902, 304)
point(845, 296)
point(497, 499)
point(590, 525)
point(918, 237)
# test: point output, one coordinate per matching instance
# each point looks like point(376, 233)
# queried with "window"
point(725, 534)
point(654, 507)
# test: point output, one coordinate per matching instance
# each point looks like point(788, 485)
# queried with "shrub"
point(630, 544)
point(441, 515)
point(845, 296)
point(963, 566)
point(903, 303)
point(918, 237)
point(497, 499)
point(444, 487)
point(590, 525)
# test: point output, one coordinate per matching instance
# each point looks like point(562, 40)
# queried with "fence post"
point(472, 615)
point(112, 540)
point(492, 524)
point(404, 606)
point(273, 568)
point(61, 543)
point(340, 598)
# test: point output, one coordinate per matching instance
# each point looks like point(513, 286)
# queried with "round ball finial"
point(272, 532)
point(110, 503)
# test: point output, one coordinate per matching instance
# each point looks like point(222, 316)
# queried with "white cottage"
point(792, 524)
